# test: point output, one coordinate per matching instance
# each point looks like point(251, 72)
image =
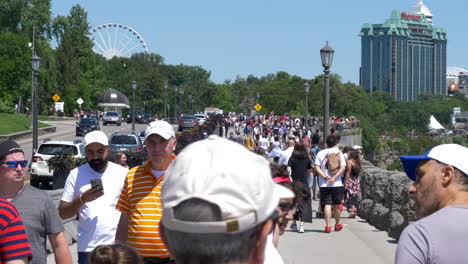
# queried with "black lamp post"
point(326, 54)
point(181, 101)
point(165, 99)
point(35, 64)
point(134, 86)
point(175, 102)
point(306, 90)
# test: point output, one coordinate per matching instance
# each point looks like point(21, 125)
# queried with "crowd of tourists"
point(201, 207)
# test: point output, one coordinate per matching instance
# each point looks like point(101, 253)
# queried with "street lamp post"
point(175, 102)
point(134, 86)
point(181, 101)
point(35, 62)
point(258, 97)
point(326, 54)
point(165, 99)
point(306, 90)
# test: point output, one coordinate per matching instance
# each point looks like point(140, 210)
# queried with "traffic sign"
point(258, 107)
point(80, 101)
point(56, 97)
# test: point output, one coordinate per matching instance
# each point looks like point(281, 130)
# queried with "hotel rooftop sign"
point(410, 17)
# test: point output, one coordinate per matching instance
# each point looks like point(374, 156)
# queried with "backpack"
point(333, 162)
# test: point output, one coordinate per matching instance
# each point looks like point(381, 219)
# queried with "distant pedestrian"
point(316, 138)
point(14, 245)
point(121, 159)
point(38, 211)
point(352, 183)
point(440, 190)
point(330, 165)
point(91, 191)
point(300, 167)
point(216, 212)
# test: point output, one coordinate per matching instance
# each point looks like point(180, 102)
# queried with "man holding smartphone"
point(91, 191)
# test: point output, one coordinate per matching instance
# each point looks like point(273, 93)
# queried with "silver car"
point(112, 117)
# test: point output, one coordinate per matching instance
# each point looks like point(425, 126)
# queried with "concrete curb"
point(27, 134)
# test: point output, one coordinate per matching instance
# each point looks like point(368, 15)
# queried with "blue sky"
point(242, 37)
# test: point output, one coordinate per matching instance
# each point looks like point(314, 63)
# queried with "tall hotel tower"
point(404, 56)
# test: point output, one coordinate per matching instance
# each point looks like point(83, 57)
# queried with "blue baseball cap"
point(450, 154)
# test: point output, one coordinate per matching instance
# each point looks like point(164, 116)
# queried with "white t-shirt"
point(285, 156)
point(321, 161)
point(98, 219)
point(263, 143)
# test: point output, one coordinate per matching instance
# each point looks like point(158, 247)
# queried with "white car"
point(201, 118)
point(40, 170)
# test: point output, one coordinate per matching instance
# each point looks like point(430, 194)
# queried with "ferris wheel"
point(116, 40)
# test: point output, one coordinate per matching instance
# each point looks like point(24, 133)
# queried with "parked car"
point(124, 142)
point(86, 125)
point(187, 121)
point(112, 117)
point(146, 118)
point(171, 120)
point(201, 118)
point(39, 168)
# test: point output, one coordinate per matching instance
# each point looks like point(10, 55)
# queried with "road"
point(358, 242)
point(66, 131)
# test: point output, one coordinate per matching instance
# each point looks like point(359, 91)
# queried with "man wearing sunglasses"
point(38, 211)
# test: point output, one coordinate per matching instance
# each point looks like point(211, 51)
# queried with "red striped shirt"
point(13, 239)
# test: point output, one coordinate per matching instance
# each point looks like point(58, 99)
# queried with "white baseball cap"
point(96, 137)
point(450, 154)
point(159, 127)
point(356, 147)
point(224, 173)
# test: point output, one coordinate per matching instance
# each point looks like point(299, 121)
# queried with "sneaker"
point(301, 229)
point(294, 227)
point(338, 227)
point(327, 229)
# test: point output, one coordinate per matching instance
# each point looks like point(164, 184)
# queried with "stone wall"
point(385, 201)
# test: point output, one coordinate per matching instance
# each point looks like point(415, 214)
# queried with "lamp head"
point(134, 85)
point(35, 62)
point(326, 54)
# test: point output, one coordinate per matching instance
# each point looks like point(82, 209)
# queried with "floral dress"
point(352, 191)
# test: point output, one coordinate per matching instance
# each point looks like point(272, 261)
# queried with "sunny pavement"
point(358, 242)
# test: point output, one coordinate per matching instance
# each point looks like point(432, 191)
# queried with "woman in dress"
point(352, 185)
point(300, 166)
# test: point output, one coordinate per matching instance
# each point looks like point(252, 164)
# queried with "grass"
point(12, 123)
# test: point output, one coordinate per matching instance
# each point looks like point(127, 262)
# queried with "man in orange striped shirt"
point(140, 200)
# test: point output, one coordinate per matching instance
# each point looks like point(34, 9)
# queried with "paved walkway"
point(358, 243)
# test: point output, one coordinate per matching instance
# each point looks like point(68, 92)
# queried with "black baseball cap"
point(8, 147)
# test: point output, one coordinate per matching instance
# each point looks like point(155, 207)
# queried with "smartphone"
point(97, 184)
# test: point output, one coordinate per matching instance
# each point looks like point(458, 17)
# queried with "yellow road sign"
point(56, 97)
point(258, 107)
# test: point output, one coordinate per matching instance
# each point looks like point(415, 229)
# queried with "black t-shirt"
point(315, 139)
point(299, 168)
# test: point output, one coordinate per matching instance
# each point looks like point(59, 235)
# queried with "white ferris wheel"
point(116, 40)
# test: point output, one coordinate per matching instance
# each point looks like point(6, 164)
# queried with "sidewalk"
point(358, 243)
point(64, 127)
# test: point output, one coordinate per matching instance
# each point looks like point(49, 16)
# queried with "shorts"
point(331, 195)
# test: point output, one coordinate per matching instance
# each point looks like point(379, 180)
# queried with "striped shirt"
point(13, 239)
point(141, 201)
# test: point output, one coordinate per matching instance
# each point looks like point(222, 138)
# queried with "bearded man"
point(95, 203)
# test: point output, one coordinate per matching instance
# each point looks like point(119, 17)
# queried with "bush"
point(4, 108)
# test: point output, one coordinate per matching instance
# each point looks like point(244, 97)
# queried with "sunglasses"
point(285, 207)
point(14, 164)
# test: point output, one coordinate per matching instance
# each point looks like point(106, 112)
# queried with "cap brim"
point(282, 192)
point(411, 163)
